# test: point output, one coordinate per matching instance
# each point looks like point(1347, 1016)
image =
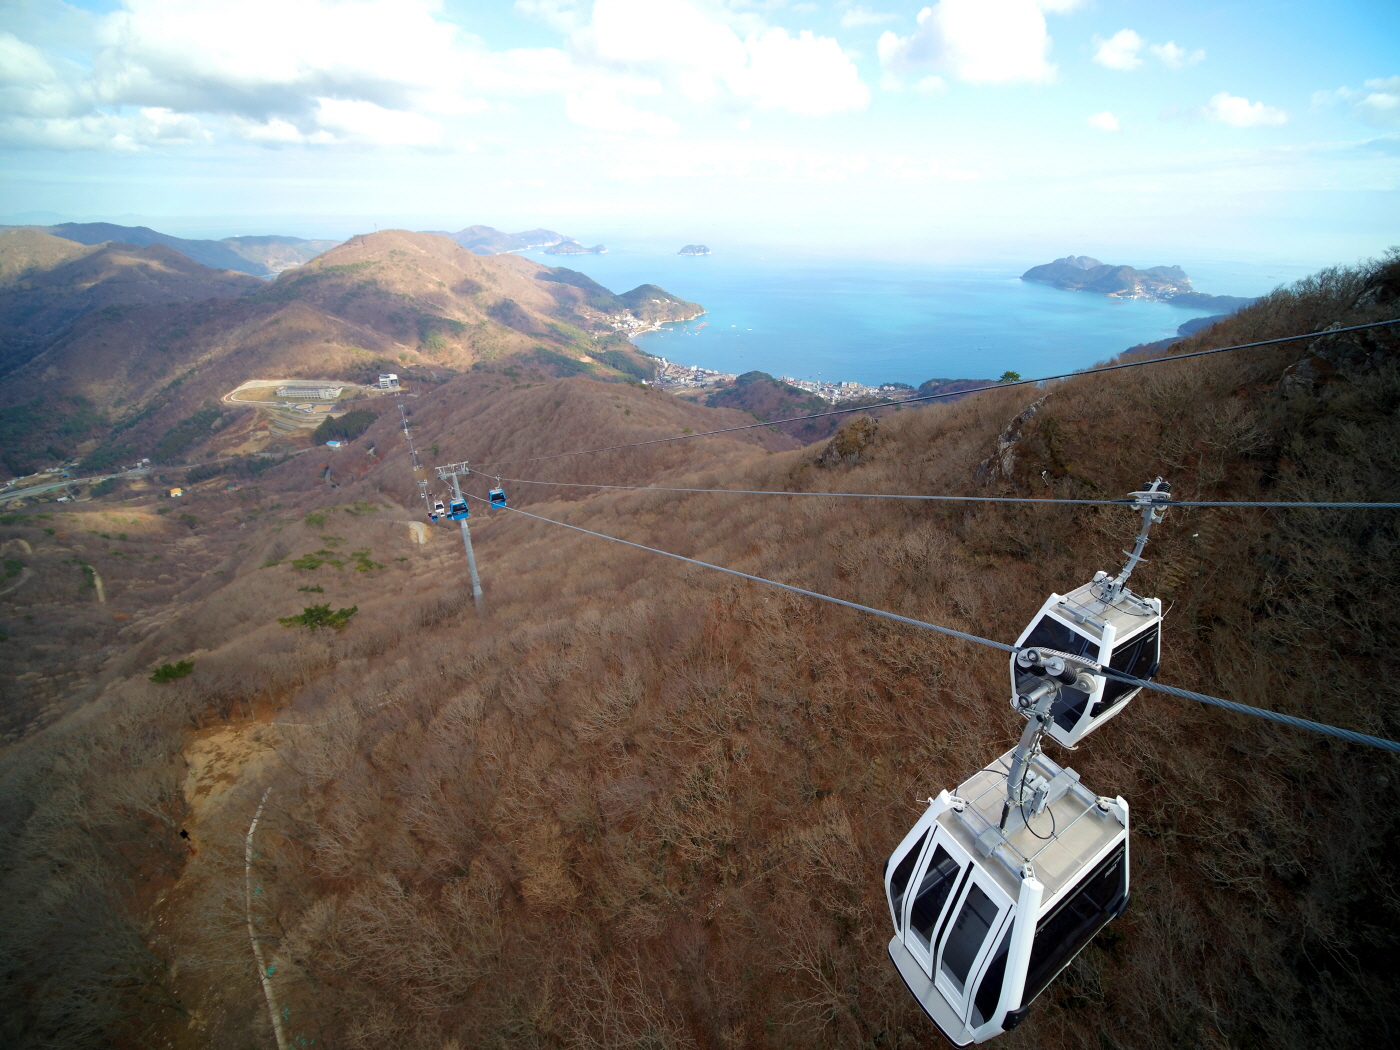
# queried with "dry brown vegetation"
point(642, 804)
point(139, 339)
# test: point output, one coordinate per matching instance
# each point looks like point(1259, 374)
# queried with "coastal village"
point(672, 376)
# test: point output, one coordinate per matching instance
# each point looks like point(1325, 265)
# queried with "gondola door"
point(942, 871)
point(968, 933)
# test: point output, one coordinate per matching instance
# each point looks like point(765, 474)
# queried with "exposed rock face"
point(851, 444)
point(1002, 462)
point(1328, 357)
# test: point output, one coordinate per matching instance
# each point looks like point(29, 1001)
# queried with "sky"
point(961, 130)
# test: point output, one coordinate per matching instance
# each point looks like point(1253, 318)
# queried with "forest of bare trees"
point(639, 804)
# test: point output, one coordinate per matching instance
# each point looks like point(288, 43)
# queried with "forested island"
point(1168, 284)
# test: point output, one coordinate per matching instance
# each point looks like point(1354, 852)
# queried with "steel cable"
point(1108, 672)
point(1126, 502)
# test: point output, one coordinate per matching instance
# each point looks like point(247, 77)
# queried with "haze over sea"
point(875, 321)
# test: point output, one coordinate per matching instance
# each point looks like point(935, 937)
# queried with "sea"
point(873, 321)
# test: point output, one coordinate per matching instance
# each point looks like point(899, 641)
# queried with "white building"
point(388, 381)
point(309, 392)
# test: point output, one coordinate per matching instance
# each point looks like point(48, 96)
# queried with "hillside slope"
point(48, 284)
point(642, 803)
point(391, 301)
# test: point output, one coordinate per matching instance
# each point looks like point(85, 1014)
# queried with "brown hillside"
point(388, 301)
point(24, 251)
point(642, 803)
point(51, 284)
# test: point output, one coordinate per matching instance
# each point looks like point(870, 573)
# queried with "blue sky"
point(961, 130)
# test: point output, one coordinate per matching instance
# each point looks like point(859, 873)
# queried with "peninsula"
point(694, 249)
point(1168, 284)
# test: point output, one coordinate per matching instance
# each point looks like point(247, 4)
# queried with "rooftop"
point(1059, 842)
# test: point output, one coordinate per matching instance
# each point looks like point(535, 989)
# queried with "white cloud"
point(1241, 113)
point(604, 111)
point(978, 41)
point(1378, 104)
point(147, 127)
point(395, 73)
point(1104, 121)
point(701, 56)
point(1120, 51)
point(860, 16)
point(22, 63)
point(1381, 104)
point(1174, 57)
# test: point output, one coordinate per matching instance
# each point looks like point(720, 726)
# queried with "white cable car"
point(438, 509)
point(497, 496)
point(1105, 622)
point(1000, 885)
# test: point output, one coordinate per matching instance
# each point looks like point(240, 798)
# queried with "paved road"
point(34, 490)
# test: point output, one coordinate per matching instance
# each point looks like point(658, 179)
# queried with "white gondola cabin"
point(437, 511)
point(1124, 633)
point(985, 916)
point(1102, 622)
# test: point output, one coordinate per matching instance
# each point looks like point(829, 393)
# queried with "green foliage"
point(315, 520)
point(560, 365)
point(170, 672)
point(203, 472)
point(46, 428)
point(625, 363)
point(13, 568)
point(347, 428)
point(310, 562)
point(362, 560)
point(315, 617)
point(333, 541)
point(162, 510)
point(105, 488)
point(184, 434)
point(314, 589)
point(189, 519)
point(100, 460)
point(9, 519)
point(1009, 377)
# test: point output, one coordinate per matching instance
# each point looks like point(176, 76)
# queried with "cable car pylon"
point(459, 512)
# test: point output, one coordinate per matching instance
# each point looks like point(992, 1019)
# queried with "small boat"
point(701, 325)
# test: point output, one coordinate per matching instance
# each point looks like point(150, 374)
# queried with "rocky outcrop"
point(1002, 462)
point(852, 443)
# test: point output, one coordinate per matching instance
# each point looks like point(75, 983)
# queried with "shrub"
point(170, 672)
point(347, 428)
point(315, 617)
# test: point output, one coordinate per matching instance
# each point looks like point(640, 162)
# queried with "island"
point(694, 249)
point(1167, 284)
point(569, 246)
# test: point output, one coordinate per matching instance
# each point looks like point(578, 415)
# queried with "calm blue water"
point(876, 321)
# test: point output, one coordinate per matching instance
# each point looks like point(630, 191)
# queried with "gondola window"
point(933, 893)
point(965, 941)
